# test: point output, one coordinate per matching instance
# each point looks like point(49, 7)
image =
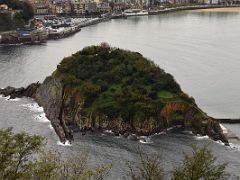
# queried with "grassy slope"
point(119, 83)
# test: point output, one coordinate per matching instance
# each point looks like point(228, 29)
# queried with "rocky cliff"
point(84, 97)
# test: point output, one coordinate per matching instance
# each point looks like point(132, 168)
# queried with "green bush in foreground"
point(200, 165)
point(22, 158)
point(149, 169)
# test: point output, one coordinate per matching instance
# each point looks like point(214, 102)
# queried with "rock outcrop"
point(69, 109)
point(13, 93)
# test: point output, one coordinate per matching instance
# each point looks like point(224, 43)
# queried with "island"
point(107, 88)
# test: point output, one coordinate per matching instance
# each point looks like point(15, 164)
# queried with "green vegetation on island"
point(17, 15)
point(119, 84)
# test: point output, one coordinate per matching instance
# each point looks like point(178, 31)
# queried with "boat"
point(135, 12)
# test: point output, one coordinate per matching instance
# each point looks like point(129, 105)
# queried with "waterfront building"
point(79, 6)
point(121, 6)
point(91, 7)
point(103, 7)
point(41, 7)
point(62, 7)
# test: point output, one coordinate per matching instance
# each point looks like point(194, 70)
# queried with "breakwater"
point(228, 120)
point(68, 31)
point(32, 36)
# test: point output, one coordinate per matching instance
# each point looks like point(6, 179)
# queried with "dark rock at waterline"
point(126, 134)
point(116, 133)
point(29, 91)
point(132, 137)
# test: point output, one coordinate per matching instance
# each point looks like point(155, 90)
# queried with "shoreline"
point(195, 7)
point(14, 38)
point(77, 27)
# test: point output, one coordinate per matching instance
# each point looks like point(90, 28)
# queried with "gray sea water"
point(200, 49)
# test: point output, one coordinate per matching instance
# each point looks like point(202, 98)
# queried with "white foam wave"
point(161, 133)
point(5, 97)
point(145, 140)
point(51, 127)
point(108, 131)
point(33, 107)
point(42, 118)
point(220, 142)
point(67, 143)
point(199, 137)
point(16, 99)
point(234, 146)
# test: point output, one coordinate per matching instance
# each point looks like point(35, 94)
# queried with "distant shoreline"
point(222, 9)
point(200, 8)
point(195, 8)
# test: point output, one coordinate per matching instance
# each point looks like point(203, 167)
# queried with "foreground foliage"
point(200, 165)
point(22, 157)
point(150, 168)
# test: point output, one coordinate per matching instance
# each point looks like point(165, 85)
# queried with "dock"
point(35, 36)
point(228, 120)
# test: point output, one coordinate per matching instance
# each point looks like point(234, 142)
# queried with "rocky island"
point(105, 88)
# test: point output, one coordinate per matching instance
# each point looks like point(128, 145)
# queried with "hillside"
point(102, 88)
point(17, 15)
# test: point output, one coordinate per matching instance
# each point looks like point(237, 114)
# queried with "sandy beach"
point(225, 9)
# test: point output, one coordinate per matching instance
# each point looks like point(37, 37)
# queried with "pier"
point(228, 120)
point(33, 36)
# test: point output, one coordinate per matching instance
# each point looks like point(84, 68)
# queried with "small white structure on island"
point(3, 7)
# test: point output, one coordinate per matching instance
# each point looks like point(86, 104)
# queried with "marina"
point(52, 27)
point(46, 29)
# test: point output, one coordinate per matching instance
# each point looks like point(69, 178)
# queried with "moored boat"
point(135, 12)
